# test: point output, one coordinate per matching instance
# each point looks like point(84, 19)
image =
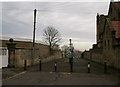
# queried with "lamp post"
point(71, 56)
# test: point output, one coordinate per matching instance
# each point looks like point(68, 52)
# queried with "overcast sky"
point(75, 20)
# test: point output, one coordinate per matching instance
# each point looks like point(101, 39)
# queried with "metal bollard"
point(25, 64)
point(55, 66)
point(88, 67)
point(40, 67)
point(71, 67)
point(105, 67)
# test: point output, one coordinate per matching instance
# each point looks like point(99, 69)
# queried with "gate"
point(3, 57)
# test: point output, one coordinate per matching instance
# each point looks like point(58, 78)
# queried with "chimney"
point(97, 30)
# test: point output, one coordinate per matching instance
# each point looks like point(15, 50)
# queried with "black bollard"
point(55, 65)
point(88, 67)
point(40, 67)
point(71, 67)
point(105, 67)
point(25, 64)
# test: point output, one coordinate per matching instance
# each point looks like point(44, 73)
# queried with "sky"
point(74, 20)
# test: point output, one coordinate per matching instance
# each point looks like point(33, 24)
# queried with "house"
point(107, 47)
point(108, 27)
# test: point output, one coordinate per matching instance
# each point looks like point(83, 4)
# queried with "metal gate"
point(3, 57)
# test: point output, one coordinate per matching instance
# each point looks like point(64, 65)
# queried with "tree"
point(66, 51)
point(51, 36)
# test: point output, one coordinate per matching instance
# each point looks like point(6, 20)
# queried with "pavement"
point(9, 72)
point(0, 77)
point(60, 78)
point(63, 76)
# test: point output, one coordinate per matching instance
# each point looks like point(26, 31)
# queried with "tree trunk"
point(50, 49)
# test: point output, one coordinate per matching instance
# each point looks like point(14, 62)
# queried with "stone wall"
point(86, 54)
point(96, 55)
point(27, 54)
point(117, 54)
point(111, 56)
point(24, 51)
point(21, 55)
point(57, 55)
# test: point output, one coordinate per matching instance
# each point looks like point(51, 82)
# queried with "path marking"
point(14, 76)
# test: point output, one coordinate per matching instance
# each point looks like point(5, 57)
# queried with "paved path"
point(63, 77)
point(0, 77)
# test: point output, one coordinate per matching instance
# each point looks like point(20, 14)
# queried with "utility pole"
point(33, 45)
point(35, 11)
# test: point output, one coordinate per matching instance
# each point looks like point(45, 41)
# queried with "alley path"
point(63, 76)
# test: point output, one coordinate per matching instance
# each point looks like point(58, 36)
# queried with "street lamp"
point(71, 56)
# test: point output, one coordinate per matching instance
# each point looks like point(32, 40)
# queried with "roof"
point(116, 26)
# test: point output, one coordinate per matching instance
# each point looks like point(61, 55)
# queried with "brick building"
point(107, 47)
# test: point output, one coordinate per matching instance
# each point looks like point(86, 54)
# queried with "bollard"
point(55, 66)
point(71, 67)
point(40, 67)
point(88, 67)
point(105, 67)
point(71, 64)
point(25, 64)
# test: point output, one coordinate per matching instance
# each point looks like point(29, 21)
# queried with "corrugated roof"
point(116, 26)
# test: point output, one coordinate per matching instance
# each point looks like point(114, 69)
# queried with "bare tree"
point(51, 36)
point(65, 51)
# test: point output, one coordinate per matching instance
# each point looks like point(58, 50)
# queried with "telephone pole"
point(33, 45)
point(35, 11)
